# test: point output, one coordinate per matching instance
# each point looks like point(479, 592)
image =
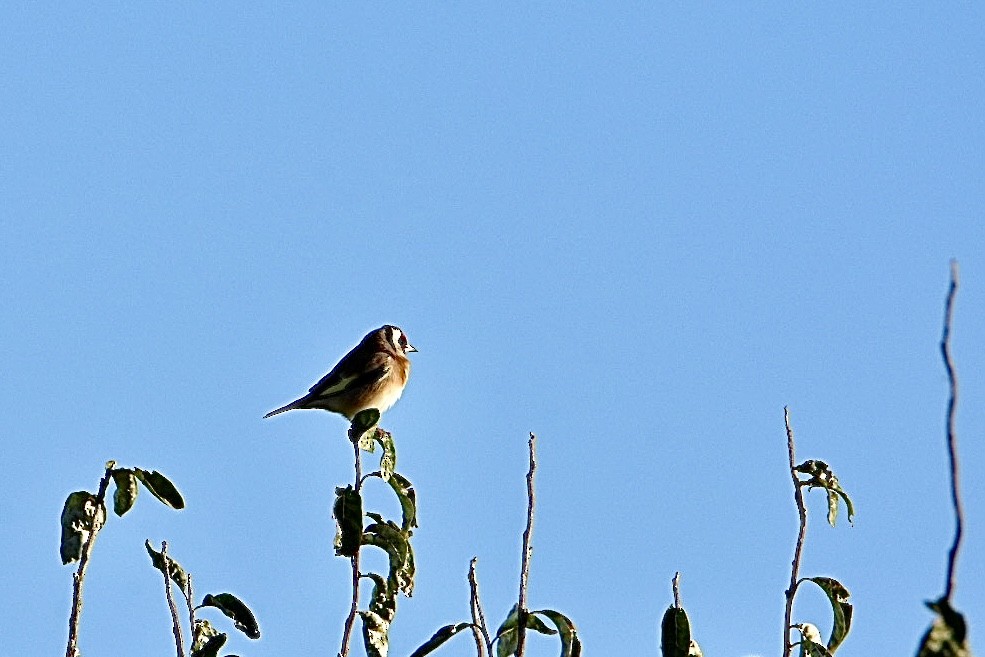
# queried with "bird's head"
point(396, 339)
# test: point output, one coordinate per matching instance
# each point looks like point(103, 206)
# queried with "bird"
point(372, 375)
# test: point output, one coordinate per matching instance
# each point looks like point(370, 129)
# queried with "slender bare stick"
point(479, 628)
point(351, 618)
point(676, 582)
point(521, 611)
point(78, 579)
point(189, 597)
point(952, 439)
point(174, 610)
point(798, 496)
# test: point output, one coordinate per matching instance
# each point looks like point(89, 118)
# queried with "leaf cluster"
point(819, 475)
point(353, 532)
point(207, 641)
point(84, 513)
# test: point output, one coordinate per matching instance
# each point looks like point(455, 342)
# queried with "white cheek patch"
point(395, 334)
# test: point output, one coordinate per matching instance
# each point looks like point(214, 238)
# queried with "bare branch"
point(480, 630)
point(78, 579)
point(351, 618)
point(801, 533)
point(521, 612)
point(189, 597)
point(952, 440)
point(676, 582)
point(176, 624)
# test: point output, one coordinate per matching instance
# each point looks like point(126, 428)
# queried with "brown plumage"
point(372, 375)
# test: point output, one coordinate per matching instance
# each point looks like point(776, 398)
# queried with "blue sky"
point(637, 230)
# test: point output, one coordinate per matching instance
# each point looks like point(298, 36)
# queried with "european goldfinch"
point(372, 375)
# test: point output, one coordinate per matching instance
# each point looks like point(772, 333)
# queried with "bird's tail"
point(289, 407)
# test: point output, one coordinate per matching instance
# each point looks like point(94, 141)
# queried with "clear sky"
point(636, 229)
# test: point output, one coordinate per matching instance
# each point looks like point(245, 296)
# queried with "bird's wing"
point(342, 379)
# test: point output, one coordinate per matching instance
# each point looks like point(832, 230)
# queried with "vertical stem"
point(521, 612)
point(78, 579)
point(176, 624)
point(952, 441)
point(801, 533)
point(351, 618)
point(480, 630)
point(189, 597)
point(676, 583)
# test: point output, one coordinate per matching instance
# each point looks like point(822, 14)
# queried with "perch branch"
point(351, 618)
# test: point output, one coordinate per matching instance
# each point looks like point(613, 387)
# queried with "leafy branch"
point(815, 474)
point(675, 628)
point(84, 515)
point(206, 641)
point(510, 637)
point(392, 538)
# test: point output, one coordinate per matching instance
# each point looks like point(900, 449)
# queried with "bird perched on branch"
point(372, 375)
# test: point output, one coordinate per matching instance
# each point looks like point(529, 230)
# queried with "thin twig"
point(189, 597)
point(78, 579)
point(952, 440)
point(351, 618)
point(676, 582)
point(521, 611)
point(483, 645)
point(174, 609)
point(798, 496)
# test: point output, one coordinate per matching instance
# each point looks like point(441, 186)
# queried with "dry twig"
point(176, 624)
point(521, 612)
point(801, 533)
point(952, 440)
point(79, 577)
point(480, 630)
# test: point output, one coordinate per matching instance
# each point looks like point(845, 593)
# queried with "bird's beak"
point(411, 347)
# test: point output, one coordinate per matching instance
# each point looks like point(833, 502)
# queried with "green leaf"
point(570, 643)
point(82, 518)
point(160, 487)
point(175, 571)
point(235, 609)
point(438, 638)
point(506, 636)
point(348, 512)
point(408, 500)
point(948, 635)
point(126, 491)
point(362, 424)
point(376, 634)
point(396, 543)
point(821, 476)
point(206, 640)
point(840, 608)
point(810, 641)
point(675, 633)
point(388, 459)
